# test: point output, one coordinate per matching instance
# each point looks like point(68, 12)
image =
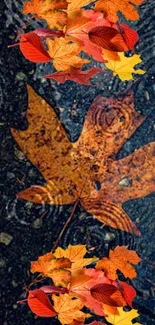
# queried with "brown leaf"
point(73, 170)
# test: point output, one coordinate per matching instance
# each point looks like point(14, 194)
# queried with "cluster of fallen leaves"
point(75, 286)
point(73, 29)
point(86, 171)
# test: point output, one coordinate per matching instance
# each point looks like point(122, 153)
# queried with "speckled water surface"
point(25, 234)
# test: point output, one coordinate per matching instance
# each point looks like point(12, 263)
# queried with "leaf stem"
point(66, 224)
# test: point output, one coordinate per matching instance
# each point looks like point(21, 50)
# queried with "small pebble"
point(37, 223)
point(125, 182)
point(5, 238)
point(109, 236)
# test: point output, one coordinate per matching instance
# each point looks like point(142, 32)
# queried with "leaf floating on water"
point(71, 170)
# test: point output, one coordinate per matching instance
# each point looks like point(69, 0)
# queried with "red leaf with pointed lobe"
point(47, 32)
point(75, 74)
point(32, 48)
point(129, 293)
point(107, 37)
point(40, 304)
point(108, 294)
point(129, 35)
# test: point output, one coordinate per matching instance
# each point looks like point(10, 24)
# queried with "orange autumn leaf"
point(119, 259)
point(64, 54)
point(49, 10)
point(55, 268)
point(68, 309)
point(71, 170)
point(41, 7)
point(111, 8)
point(76, 255)
point(56, 19)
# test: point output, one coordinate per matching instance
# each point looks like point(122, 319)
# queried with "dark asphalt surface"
point(31, 236)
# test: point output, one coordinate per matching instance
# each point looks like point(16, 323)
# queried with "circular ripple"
point(86, 230)
point(26, 212)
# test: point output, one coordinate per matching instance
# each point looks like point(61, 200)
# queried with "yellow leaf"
point(125, 66)
point(76, 5)
point(68, 309)
point(75, 254)
point(64, 54)
point(119, 259)
point(124, 318)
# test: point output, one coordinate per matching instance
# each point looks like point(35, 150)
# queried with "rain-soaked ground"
point(26, 234)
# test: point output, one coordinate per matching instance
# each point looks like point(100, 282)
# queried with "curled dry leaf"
point(47, 32)
point(72, 170)
point(75, 74)
point(119, 259)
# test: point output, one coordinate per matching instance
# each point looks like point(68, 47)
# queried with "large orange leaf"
point(119, 259)
point(68, 309)
point(55, 268)
point(64, 54)
point(71, 170)
point(111, 8)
